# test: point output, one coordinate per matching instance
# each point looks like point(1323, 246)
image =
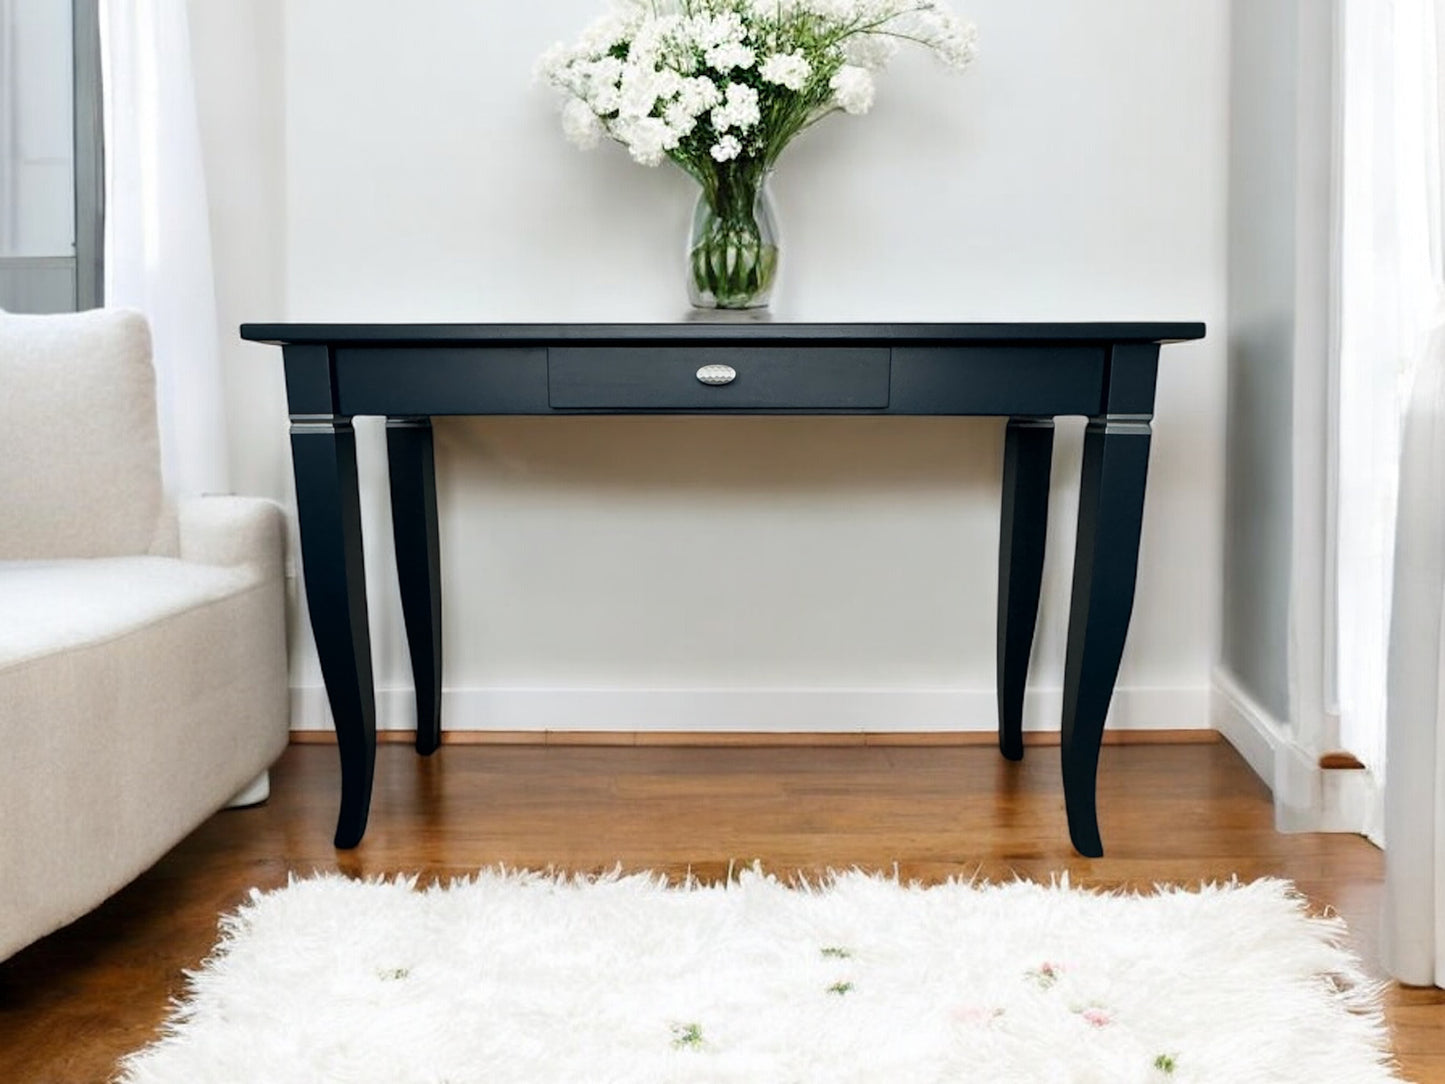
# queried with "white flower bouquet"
point(720, 87)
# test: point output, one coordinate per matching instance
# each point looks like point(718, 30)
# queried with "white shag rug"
point(528, 978)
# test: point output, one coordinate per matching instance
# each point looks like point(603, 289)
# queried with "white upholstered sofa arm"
point(233, 531)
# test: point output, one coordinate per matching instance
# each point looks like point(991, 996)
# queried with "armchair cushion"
point(69, 604)
point(79, 447)
point(117, 747)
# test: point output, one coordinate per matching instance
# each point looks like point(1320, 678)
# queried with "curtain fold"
point(1413, 943)
point(157, 230)
point(1403, 92)
point(1391, 280)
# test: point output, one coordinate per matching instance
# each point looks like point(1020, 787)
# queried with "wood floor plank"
point(74, 1002)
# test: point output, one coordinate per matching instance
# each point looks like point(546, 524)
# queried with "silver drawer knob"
point(717, 374)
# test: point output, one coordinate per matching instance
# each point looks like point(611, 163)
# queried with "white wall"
point(1264, 187)
point(1273, 696)
point(1078, 171)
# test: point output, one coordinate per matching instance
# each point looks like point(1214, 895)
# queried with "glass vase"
point(733, 247)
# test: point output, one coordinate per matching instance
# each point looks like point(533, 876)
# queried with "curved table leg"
point(1027, 460)
point(329, 510)
point(1106, 561)
point(418, 565)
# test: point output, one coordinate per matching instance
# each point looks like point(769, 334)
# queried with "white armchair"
point(142, 649)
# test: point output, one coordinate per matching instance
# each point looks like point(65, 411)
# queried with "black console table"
point(1029, 373)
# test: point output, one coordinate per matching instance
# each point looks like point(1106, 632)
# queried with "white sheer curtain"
point(1390, 533)
point(1390, 259)
point(1413, 945)
point(157, 230)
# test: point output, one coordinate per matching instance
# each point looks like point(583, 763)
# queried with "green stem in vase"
point(734, 252)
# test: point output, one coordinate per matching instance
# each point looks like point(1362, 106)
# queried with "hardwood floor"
point(74, 1002)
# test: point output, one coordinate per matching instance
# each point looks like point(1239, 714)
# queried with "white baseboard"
point(1245, 724)
point(1307, 798)
point(789, 710)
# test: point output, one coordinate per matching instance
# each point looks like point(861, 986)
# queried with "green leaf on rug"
point(840, 988)
point(391, 974)
point(1164, 1063)
point(687, 1036)
point(837, 952)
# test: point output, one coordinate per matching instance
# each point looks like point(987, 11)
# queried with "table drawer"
point(712, 378)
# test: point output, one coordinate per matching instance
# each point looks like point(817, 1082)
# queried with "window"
point(50, 155)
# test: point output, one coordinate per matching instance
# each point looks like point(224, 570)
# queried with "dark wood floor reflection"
point(73, 1003)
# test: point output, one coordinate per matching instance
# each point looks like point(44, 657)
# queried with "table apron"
point(945, 379)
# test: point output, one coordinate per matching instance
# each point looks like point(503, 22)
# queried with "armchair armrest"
point(233, 531)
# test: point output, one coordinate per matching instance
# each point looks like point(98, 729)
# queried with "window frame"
point(28, 282)
point(89, 157)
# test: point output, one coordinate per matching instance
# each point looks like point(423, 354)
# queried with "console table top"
point(740, 332)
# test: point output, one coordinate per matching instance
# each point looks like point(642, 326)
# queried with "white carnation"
point(609, 31)
point(853, 89)
point(729, 55)
point(679, 119)
point(698, 95)
point(605, 98)
point(789, 70)
point(711, 31)
point(607, 69)
point(652, 39)
point(638, 94)
point(597, 83)
point(648, 139)
point(642, 87)
point(727, 148)
point(580, 124)
point(739, 108)
point(552, 65)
